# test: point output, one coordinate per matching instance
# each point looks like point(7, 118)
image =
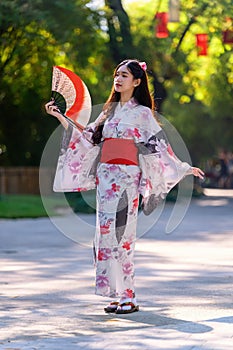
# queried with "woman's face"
point(124, 81)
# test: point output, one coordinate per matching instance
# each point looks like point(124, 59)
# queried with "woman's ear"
point(137, 82)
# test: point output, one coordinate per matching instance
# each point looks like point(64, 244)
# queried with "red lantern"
point(161, 30)
point(227, 36)
point(202, 44)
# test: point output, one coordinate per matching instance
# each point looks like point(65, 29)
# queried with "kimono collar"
point(130, 104)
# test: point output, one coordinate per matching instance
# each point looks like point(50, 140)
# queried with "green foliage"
point(199, 88)
point(35, 35)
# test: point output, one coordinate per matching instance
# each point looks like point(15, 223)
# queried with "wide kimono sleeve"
point(161, 169)
point(77, 161)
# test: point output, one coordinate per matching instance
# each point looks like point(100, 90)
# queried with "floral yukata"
point(118, 187)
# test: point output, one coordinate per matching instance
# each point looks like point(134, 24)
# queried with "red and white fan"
point(71, 96)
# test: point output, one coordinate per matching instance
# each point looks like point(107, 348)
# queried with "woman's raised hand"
point(53, 110)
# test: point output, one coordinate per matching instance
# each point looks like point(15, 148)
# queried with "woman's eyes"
point(123, 75)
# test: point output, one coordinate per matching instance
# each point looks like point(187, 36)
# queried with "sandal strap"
point(127, 303)
point(112, 307)
point(133, 308)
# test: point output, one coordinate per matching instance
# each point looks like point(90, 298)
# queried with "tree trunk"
point(120, 39)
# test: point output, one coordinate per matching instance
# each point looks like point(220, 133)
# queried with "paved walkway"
point(184, 285)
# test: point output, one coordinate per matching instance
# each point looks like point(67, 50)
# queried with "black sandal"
point(112, 307)
point(133, 308)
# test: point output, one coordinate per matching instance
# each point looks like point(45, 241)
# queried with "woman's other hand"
point(198, 173)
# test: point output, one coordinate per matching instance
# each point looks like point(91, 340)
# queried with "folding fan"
point(71, 96)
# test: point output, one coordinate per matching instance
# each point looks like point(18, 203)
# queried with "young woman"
point(124, 153)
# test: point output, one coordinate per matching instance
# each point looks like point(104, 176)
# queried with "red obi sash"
point(119, 151)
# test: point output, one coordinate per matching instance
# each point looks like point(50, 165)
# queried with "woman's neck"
point(125, 98)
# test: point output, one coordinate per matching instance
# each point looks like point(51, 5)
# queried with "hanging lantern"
point(161, 30)
point(227, 34)
point(174, 11)
point(202, 44)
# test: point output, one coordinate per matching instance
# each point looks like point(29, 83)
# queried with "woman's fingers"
point(51, 108)
point(198, 172)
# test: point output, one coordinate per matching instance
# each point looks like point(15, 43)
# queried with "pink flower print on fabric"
point(126, 246)
point(129, 133)
point(105, 226)
point(79, 189)
point(132, 133)
point(136, 133)
point(148, 184)
point(104, 254)
point(113, 167)
point(137, 179)
point(161, 146)
point(111, 193)
point(170, 150)
point(113, 124)
point(128, 293)
point(127, 268)
point(146, 115)
point(102, 281)
point(72, 144)
point(162, 167)
point(135, 204)
point(105, 229)
point(74, 167)
point(115, 187)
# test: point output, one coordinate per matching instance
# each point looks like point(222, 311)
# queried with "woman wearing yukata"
point(123, 154)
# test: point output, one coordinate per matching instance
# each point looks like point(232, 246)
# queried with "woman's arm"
point(151, 126)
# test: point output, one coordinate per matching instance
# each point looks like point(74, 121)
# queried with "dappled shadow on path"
point(145, 319)
point(68, 323)
point(183, 285)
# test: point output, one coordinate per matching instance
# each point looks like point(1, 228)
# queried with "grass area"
point(27, 206)
point(31, 206)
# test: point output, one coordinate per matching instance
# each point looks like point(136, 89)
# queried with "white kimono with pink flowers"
point(118, 187)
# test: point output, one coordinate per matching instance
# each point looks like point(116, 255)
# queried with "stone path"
point(184, 284)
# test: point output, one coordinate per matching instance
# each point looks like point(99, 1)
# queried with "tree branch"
point(191, 21)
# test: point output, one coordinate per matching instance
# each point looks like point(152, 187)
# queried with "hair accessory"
point(143, 65)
